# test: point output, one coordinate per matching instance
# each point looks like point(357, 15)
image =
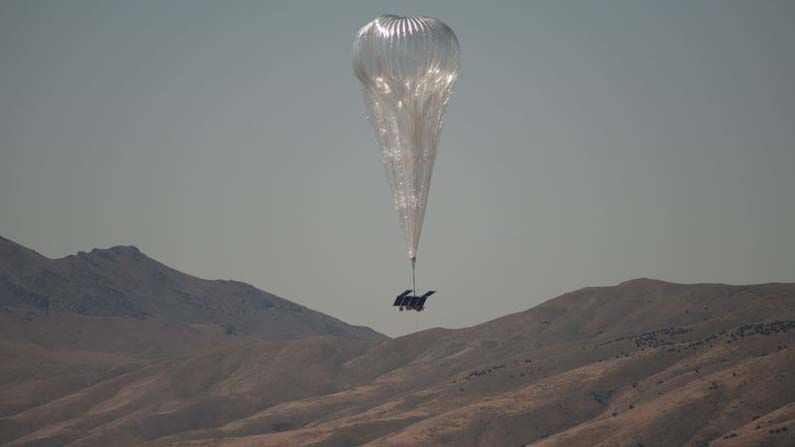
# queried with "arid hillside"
point(121, 283)
point(99, 352)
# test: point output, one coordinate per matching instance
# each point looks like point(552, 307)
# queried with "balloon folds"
point(407, 67)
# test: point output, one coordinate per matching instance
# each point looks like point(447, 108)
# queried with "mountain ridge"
point(641, 363)
point(121, 281)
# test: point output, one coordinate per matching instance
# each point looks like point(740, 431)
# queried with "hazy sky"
point(586, 143)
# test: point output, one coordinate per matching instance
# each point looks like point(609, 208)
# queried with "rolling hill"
point(112, 348)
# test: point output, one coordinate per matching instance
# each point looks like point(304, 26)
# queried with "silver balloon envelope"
point(407, 67)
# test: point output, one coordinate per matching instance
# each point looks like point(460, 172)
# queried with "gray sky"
point(586, 143)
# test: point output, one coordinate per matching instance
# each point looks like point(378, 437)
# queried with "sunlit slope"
point(642, 363)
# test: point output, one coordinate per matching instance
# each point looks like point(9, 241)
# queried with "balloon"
point(407, 67)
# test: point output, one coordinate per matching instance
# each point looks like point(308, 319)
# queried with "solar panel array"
point(406, 300)
point(400, 298)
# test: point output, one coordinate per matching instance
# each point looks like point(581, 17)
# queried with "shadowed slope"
point(122, 282)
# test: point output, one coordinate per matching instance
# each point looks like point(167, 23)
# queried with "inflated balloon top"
point(407, 67)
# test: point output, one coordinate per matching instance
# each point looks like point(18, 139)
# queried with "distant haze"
point(585, 144)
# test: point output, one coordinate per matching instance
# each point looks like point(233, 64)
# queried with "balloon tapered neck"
point(413, 280)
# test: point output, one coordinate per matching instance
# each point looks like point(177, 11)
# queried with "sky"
point(585, 144)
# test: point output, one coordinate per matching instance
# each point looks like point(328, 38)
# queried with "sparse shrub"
point(279, 426)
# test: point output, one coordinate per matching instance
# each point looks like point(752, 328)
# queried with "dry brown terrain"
point(121, 356)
